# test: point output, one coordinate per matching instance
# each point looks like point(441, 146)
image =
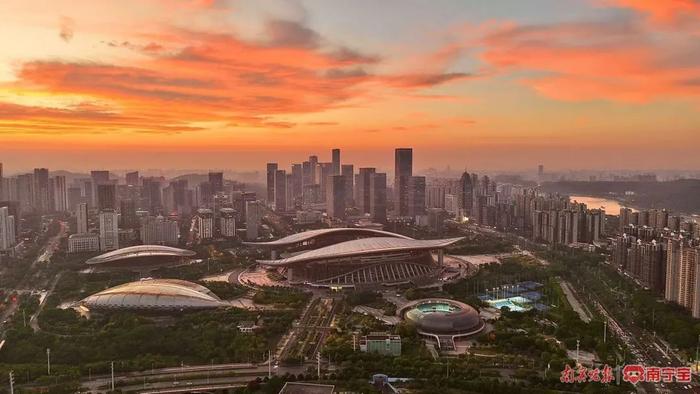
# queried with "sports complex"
point(351, 257)
point(443, 320)
point(141, 257)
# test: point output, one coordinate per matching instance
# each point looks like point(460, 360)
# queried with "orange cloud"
point(615, 60)
point(663, 11)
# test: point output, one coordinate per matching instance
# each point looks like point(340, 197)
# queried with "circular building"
point(154, 294)
point(141, 257)
point(443, 319)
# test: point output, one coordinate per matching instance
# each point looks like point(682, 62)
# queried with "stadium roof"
point(139, 251)
point(437, 316)
point(155, 294)
point(365, 246)
point(307, 235)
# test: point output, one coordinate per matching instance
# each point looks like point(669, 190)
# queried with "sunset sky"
point(233, 84)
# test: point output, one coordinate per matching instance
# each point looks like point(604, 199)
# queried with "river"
point(611, 207)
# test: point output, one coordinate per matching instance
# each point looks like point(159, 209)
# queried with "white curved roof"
point(154, 294)
point(306, 235)
point(139, 251)
point(365, 246)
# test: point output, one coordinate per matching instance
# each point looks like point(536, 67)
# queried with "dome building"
point(154, 294)
point(443, 319)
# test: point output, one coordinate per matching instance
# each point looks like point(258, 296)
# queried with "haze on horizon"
point(591, 84)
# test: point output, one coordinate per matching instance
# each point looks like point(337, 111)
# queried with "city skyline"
point(224, 84)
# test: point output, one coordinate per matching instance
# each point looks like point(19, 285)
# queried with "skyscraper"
point(335, 200)
point(98, 177)
point(335, 159)
point(81, 216)
point(280, 190)
point(205, 223)
point(109, 230)
point(377, 196)
point(106, 196)
point(152, 194)
point(216, 180)
point(362, 187)
point(132, 178)
point(127, 209)
point(60, 194)
point(466, 193)
point(271, 171)
point(348, 171)
point(254, 214)
point(297, 182)
point(416, 196)
point(227, 222)
point(41, 190)
point(403, 170)
point(7, 229)
point(325, 171)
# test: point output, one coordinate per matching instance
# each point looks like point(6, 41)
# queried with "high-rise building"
point(254, 215)
point(109, 230)
point(106, 196)
point(7, 229)
point(297, 184)
point(152, 194)
point(335, 200)
point(132, 178)
point(416, 196)
point(377, 196)
point(127, 210)
point(83, 243)
point(323, 173)
point(98, 177)
point(41, 190)
point(362, 189)
point(81, 216)
point(159, 231)
point(60, 194)
point(348, 171)
point(307, 174)
point(466, 193)
point(335, 160)
point(403, 170)
point(271, 173)
point(280, 190)
point(205, 223)
point(3, 196)
point(227, 222)
point(216, 180)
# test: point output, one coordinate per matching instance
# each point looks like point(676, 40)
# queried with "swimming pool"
point(515, 304)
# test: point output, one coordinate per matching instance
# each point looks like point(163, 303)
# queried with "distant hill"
point(681, 196)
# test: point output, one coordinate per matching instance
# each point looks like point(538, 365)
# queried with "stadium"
point(443, 319)
point(154, 294)
point(370, 257)
point(141, 257)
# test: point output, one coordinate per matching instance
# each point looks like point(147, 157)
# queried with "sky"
point(497, 85)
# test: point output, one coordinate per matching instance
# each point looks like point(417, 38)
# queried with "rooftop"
point(139, 251)
point(307, 235)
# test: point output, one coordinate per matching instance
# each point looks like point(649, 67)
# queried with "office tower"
point(253, 219)
point(377, 196)
point(205, 223)
point(7, 229)
point(239, 203)
point(227, 222)
point(335, 200)
point(81, 216)
point(132, 178)
point(289, 187)
point(453, 205)
point(109, 230)
point(179, 190)
point(271, 172)
point(466, 193)
point(362, 187)
point(416, 196)
point(152, 195)
point(297, 184)
point(312, 195)
point(106, 196)
point(280, 190)
point(348, 171)
point(205, 196)
point(324, 172)
point(83, 243)
point(98, 177)
point(313, 162)
point(307, 174)
point(159, 231)
point(335, 160)
point(403, 170)
point(41, 190)
point(216, 180)
point(127, 210)
point(60, 194)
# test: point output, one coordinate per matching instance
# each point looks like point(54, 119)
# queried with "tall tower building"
point(152, 194)
point(253, 219)
point(98, 177)
point(81, 216)
point(348, 171)
point(7, 229)
point(106, 196)
point(132, 178)
point(377, 196)
point(205, 223)
point(335, 200)
point(466, 193)
point(335, 155)
point(127, 210)
point(216, 180)
point(297, 184)
point(41, 190)
point(271, 171)
point(227, 222)
point(280, 191)
point(416, 196)
point(325, 171)
point(60, 194)
point(403, 170)
point(109, 230)
point(362, 189)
